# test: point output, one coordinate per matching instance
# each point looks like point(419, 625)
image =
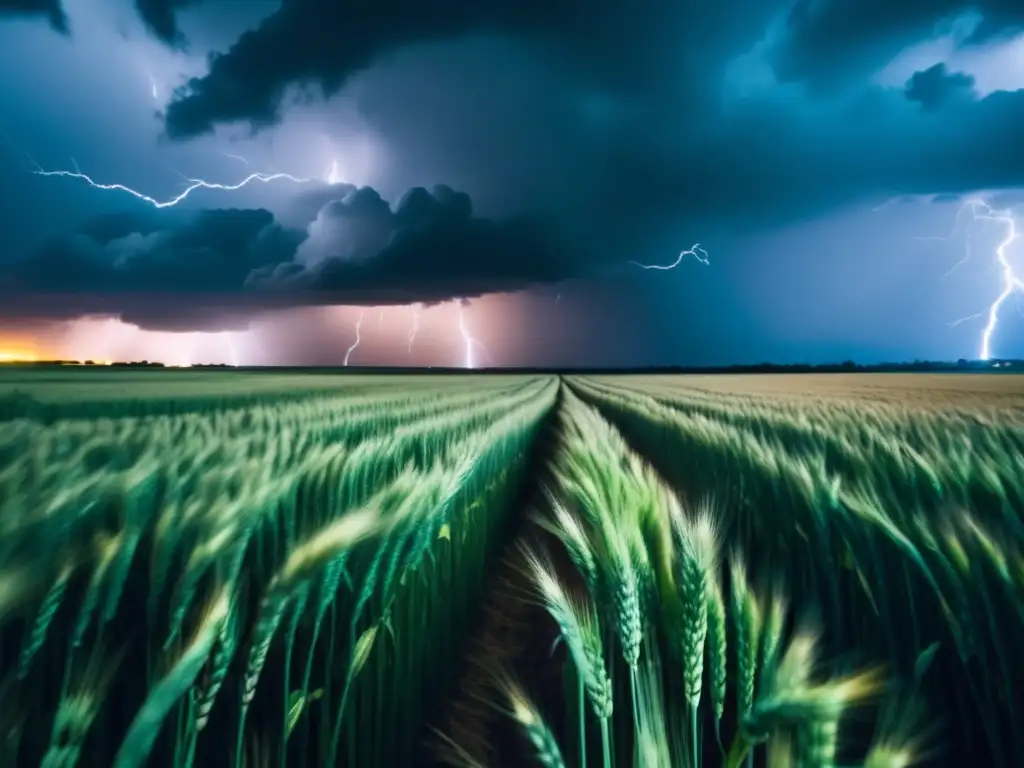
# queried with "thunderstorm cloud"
point(587, 134)
point(358, 250)
point(685, 104)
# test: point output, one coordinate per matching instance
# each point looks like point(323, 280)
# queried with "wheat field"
point(312, 569)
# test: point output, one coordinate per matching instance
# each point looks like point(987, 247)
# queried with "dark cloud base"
point(196, 270)
point(51, 10)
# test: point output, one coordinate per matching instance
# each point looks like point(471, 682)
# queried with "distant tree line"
point(847, 366)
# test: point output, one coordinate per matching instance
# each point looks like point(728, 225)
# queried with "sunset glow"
point(20, 348)
point(394, 335)
point(18, 356)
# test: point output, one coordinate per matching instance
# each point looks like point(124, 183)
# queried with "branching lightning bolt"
point(1012, 282)
point(359, 326)
point(467, 338)
point(193, 184)
point(695, 250)
point(232, 349)
point(417, 311)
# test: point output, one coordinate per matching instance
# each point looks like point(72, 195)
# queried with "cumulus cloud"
point(353, 228)
point(429, 248)
point(180, 270)
point(51, 10)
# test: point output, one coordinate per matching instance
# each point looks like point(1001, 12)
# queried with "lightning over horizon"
point(467, 337)
point(1011, 282)
point(350, 350)
point(417, 311)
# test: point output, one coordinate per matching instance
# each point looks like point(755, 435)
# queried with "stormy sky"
point(485, 178)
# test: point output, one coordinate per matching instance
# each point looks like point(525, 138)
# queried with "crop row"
point(272, 573)
point(904, 528)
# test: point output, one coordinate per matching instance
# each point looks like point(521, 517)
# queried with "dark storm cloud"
point(636, 128)
point(323, 42)
point(429, 248)
point(158, 16)
point(936, 86)
point(192, 270)
point(827, 41)
point(51, 10)
point(208, 252)
point(638, 85)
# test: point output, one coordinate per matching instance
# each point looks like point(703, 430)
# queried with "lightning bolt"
point(193, 184)
point(380, 321)
point(417, 311)
point(694, 250)
point(232, 349)
point(1012, 283)
point(359, 325)
point(467, 338)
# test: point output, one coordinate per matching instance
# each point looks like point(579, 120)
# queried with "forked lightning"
point(359, 326)
point(1012, 282)
point(417, 311)
point(467, 338)
point(694, 250)
point(193, 185)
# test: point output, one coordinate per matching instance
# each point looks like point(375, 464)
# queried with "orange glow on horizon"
point(19, 349)
point(18, 356)
point(504, 327)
